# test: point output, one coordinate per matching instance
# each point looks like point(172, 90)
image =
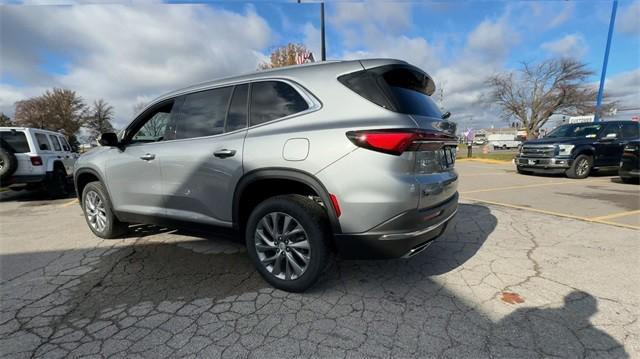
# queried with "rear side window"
point(271, 100)
point(203, 113)
point(55, 143)
point(399, 89)
point(630, 130)
point(237, 116)
point(43, 143)
point(15, 141)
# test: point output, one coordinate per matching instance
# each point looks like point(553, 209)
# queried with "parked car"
point(350, 157)
point(30, 158)
point(578, 149)
point(630, 163)
point(501, 141)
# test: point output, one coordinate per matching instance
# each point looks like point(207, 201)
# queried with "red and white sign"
point(303, 58)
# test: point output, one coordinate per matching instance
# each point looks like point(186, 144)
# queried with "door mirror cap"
point(610, 136)
point(108, 139)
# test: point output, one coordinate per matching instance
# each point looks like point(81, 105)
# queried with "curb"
point(484, 160)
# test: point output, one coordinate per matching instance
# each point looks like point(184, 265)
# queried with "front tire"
point(581, 167)
point(56, 186)
point(98, 212)
point(287, 239)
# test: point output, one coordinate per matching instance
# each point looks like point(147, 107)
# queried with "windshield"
point(587, 130)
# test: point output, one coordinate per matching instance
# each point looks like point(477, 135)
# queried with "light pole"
point(596, 117)
point(323, 49)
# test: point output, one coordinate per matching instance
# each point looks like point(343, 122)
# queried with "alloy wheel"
point(95, 211)
point(583, 167)
point(282, 246)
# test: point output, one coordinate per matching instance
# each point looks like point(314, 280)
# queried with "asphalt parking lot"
point(531, 267)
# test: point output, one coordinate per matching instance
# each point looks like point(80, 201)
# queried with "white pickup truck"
point(30, 158)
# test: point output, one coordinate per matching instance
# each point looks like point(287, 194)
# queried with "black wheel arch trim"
point(99, 177)
point(285, 174)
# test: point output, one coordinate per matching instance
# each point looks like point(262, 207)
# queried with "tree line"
point(63, 111)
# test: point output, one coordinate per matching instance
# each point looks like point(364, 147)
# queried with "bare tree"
point(99, 120)
point(5, 120)
point(284, 56)
point(536, 91)
point(56, 110)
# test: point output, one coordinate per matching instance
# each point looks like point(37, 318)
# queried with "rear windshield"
point(588, 130)
point(14, 141)
point(399, 89)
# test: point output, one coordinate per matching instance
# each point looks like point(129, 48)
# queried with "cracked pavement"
point(166, 293)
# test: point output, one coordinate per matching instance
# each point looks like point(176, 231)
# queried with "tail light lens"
point(397, 141)
point(36, 161)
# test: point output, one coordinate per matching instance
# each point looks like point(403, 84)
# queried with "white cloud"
point(629, 21)
point(493, 39)
point(572, 45)
point(562, 16)
point(126, 54)
point(391, 16)
point(311, 40)
point(624, 88)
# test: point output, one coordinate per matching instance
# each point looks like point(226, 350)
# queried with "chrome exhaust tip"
point(417, 249)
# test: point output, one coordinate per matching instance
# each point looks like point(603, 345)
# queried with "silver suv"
point(347, 157)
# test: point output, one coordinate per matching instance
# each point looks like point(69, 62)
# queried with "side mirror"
point(610, 137)
point(446, 115)
point(108, 139)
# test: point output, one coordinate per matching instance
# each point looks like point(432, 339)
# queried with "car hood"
point(560, 140)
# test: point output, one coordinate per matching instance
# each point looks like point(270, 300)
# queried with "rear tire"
point(98, 212)
point(630, 180)
point(8, 164)
point(287, 239)
point(581, 167)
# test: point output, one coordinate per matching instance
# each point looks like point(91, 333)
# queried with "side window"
point(611, 128)
point(271, 100)
point(630, 130)
point(65, 144)
point(43, 142)
point(55, 143)
point(237, 116)
point(155, 125)
point(203, 113)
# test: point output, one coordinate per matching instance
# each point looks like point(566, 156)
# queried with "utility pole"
point(323, 49)
point(596, 117)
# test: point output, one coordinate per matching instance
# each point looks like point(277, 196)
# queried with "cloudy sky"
point(130, 53)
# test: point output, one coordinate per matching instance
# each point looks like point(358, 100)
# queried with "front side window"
point(575, 130)
point(15, 141)
point(156, 125)
point(203, 113)
point(64, 143)
point(56, 144)
point(43, 142)
point(271, 100)
point(612, 128)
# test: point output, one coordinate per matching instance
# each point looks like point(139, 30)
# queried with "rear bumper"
point(544, 164)
point(402, 236)
point(25, 179)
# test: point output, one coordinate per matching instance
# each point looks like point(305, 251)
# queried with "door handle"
point(224, 153)
point(148, 157)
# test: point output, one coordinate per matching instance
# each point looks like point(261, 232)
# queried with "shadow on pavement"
point(146, 283)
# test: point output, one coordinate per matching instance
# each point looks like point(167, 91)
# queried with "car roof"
point(334, 67)
point(30, 129)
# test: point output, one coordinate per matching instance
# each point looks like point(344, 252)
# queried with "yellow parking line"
point(73, 201)
point(530, 186)
point(559, 214)
point(616, 215)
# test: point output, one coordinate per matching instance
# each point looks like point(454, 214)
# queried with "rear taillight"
point(36, 161)
point(397, 141)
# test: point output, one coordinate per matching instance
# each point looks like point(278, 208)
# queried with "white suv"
point(31, 157)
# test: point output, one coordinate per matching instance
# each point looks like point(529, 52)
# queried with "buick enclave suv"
point(346, 157)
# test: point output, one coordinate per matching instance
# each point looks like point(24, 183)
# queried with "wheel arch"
point(84, 176)
point(585, 150)
point(286, 181)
